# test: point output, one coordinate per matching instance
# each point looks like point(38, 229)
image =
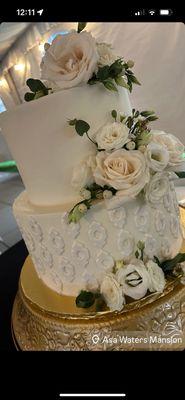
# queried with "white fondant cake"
point(71, 257)
point(45, 147)
point(102, 216)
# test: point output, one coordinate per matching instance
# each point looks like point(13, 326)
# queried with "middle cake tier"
point(69, 257)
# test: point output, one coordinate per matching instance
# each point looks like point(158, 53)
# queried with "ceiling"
point(9, 33)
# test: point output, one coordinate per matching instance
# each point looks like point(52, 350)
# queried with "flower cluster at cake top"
point(128, 158)
point(136, 278)
point(76, 59)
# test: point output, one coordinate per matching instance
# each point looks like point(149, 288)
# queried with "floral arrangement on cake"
point(128, 159)
point(76, 59)
point(133, 279)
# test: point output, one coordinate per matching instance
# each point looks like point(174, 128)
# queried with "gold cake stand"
point(45, 320)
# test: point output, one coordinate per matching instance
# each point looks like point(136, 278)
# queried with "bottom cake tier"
point(70, 257)
point(44, 320)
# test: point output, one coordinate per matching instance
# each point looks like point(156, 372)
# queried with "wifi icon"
point(151, 12)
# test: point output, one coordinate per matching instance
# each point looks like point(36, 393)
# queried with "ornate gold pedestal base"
point(44, 320)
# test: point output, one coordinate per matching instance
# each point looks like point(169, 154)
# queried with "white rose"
point(157, 187)
point(156, 277)
point(157, 156)
point(112, 292)
point(123, 170)
point(83, 173)
point(172, 144)
point(70, 60)
point(112, 136)
point(106, 56)
point(133, 279)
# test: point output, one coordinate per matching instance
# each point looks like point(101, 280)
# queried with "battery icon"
point(165, 12)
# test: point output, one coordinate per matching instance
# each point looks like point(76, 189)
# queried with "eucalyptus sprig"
point(116, 74)
point(38, 89)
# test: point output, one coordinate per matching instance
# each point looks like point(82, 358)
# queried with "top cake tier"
point(45, 147)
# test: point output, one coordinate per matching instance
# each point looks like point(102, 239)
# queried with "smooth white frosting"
point(46, 148)
point(72, 257)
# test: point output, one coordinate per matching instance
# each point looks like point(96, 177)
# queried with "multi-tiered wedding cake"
point(99, 214)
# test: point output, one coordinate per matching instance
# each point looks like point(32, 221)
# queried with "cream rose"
point(157, 156)
point(70, 60)
point(156, 277)
point(123, 170)
point(83, 173)
point(172, 144)
point(134, 279)
point(112, 293)
point(112, 136)
point(157, 187)
point(106, 56)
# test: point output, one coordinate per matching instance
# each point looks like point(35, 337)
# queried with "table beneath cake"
point(11, 263)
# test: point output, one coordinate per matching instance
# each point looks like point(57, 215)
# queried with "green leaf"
point(103, 73)
point(156, 260)
point(116, 69)
point(81, 26)
point(147, 113)
point(92, 80)
point(114, 114)
point(136, 114)
point(29, 96)
point(35, 85)
point(168, 265)
point(72, 122)
point(85, 299)
point(81, 127)
point(134, 80)
point(129, 122)
point(121, 82)
point(141, 245)
point(129, 72)
point(137, 254)
point(152, 118)
point(180, 174)
point(110, 85)
point(39, 94)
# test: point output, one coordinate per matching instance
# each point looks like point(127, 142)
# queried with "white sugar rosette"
point(158, 186)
